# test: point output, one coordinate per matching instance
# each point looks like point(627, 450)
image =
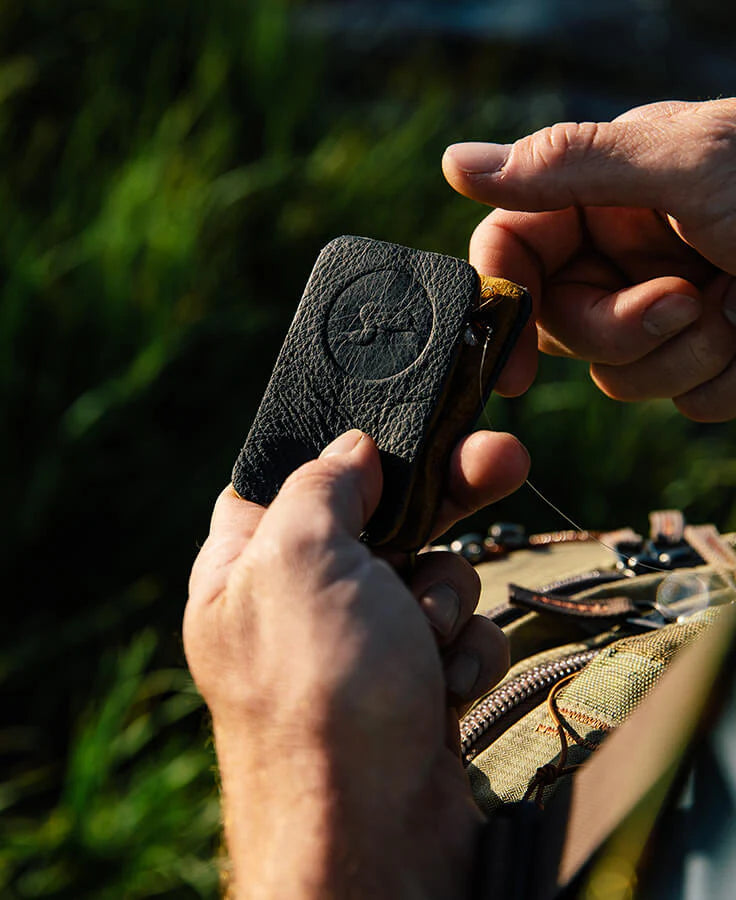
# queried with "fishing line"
point(535, 489)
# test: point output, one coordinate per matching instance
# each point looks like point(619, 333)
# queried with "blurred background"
point(169, 172)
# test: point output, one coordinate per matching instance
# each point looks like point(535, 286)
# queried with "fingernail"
point(477, 158)
point(729, 304)
point(441, 605)
point(344, 443)
point(462, 672)
point(671, 314)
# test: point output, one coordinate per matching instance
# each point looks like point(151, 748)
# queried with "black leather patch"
point(373, 345)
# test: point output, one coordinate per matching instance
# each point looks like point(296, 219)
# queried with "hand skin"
point(625, 234)
point(331, 683)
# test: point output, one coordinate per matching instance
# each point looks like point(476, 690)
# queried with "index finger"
point(232, 525)
point(524, 248)
point(234, 515)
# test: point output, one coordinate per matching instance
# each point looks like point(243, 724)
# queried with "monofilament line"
point(536, 490)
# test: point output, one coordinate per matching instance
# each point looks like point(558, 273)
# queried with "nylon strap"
point(609, 809)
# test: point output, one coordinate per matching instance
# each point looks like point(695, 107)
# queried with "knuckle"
point(434, 565)
point(562, 144)
point(708, 153)
point(619, 351)
point(716, 129)
point(494, 655)
point(550, 148)
point(616, 382)
point(603, 342)
point(190, 630)
point(710, 352)
point(468, 586)
point(277, 555)
point(551, 343)
point(313, 552)
point(214, 558)
point(713, 401)
point(713, 162)
point(474, 581)
point(700, 407)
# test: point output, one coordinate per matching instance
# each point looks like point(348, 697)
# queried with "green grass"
point(134, 811)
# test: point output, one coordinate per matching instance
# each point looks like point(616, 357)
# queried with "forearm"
point(276, 829)
point(291, 828)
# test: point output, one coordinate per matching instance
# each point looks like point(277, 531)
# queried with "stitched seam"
point(585, 719)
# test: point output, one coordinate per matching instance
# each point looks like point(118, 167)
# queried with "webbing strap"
point(609, 809)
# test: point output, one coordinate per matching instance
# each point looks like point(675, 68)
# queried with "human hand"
point(327, 679)
point(624, 232)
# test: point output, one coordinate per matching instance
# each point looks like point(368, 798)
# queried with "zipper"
point(503, 706)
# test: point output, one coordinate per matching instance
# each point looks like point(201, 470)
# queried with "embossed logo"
point(379, 324)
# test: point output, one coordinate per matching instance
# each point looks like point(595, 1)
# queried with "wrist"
point(294, 825)
point(276, 815)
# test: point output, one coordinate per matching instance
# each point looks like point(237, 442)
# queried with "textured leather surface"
point(375, 344)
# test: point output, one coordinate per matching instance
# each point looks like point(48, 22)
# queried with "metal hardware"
point(508, 697)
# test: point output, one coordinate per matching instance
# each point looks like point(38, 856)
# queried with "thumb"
point(332, 496)
point(623, 163)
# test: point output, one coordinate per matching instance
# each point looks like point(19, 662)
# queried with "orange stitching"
point(545, 729)
point(549, 773)
point(585, 719)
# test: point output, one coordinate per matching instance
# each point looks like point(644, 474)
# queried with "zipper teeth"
point(509, 696)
